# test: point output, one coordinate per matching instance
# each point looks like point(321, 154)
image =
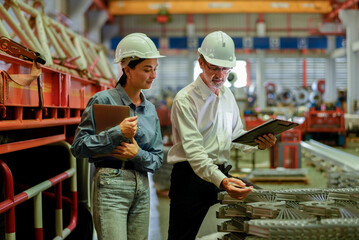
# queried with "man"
point(205, 119)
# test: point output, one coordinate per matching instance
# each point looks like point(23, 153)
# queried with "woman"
point(125, 153)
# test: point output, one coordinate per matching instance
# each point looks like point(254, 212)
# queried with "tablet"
point(107, 116)
point(274, 126)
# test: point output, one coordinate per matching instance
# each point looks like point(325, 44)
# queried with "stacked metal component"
point(291, 214)
point(279, 173)
point(343, 179)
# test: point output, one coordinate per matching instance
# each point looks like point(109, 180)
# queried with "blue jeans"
point(121, 204)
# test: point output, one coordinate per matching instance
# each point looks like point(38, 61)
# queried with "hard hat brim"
point(152, 57)
point(219, 62)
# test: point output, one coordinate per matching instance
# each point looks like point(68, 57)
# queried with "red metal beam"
point(16, 146)
point(335, 12)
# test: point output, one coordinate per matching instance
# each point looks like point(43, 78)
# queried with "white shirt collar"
point(204, 91)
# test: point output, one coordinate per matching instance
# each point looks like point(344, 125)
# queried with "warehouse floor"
point(208, 231)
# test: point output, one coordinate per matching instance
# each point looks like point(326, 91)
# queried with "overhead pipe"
point(261, 26)
point(304, 51)
point(288, 25)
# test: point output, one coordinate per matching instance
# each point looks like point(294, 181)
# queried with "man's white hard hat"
point(135, 46)
point(218, 49)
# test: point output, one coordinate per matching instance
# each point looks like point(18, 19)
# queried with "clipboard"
point(274, 126)
point(107, 116)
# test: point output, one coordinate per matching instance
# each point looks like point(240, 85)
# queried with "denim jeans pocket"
point(106, 176)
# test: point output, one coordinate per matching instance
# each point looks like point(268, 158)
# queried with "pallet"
point(280, 179)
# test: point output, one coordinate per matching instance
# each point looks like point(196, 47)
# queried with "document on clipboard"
point(274, 126)
point(108, 116)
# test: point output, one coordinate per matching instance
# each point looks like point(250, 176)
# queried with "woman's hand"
point(129, 127)
point(126, 150)
point(266, 141)
point(235, 188)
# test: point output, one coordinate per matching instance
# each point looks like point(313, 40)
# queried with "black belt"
point(221, 167)
point(127, 165)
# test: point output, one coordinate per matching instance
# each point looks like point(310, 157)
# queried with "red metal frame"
point(293, 135)
point(325, 121)
point(290, 156)
point(64, 97)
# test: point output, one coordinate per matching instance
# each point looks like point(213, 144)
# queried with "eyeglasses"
point(214, 69)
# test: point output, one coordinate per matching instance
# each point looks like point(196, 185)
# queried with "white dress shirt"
point(203, 127)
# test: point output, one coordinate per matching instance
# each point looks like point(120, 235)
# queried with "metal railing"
point(329, 157)
point(10, 201)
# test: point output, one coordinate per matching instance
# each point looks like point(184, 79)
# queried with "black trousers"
point(191, 197)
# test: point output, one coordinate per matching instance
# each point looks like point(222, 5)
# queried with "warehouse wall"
point(234, 24)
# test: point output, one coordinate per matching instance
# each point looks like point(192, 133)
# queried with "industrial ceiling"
point(137, 7)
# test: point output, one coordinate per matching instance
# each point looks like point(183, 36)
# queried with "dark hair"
point(132, 64)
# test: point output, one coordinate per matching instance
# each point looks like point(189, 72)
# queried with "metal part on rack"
point(305, 229)
point(279, 172)
point(273, 228)
point(293, 213)
point(254, 196)
point(301, 195)
point(326, 209)
point(233, 210)
point(264, 209)
point(236, 224)
point(296, 214)
point(237, 236)
point(327, 158)
point(343, 179)
point(344, 194)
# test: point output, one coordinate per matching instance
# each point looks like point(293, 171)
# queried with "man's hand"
point(126, 150)
point(129, 127)
point(266, 141)
point(235, 188)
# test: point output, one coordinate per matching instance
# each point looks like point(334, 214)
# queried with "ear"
point(127, 70)
point(201, 63)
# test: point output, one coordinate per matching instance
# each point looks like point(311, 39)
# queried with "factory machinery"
point(331, 213)
point(291, 214)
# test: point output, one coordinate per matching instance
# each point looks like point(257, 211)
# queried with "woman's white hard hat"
point(218, 49)
point(135, 46)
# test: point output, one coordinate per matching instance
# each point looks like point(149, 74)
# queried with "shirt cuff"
point(115, 133)
point(217, 178)
point(137, 158)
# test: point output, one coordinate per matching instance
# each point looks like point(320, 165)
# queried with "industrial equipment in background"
point(44, 190)
point(325, 125)
point(287, 151)
point(270, 88)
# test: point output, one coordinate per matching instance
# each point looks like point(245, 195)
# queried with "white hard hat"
point(218, 49)
point(135, 46)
